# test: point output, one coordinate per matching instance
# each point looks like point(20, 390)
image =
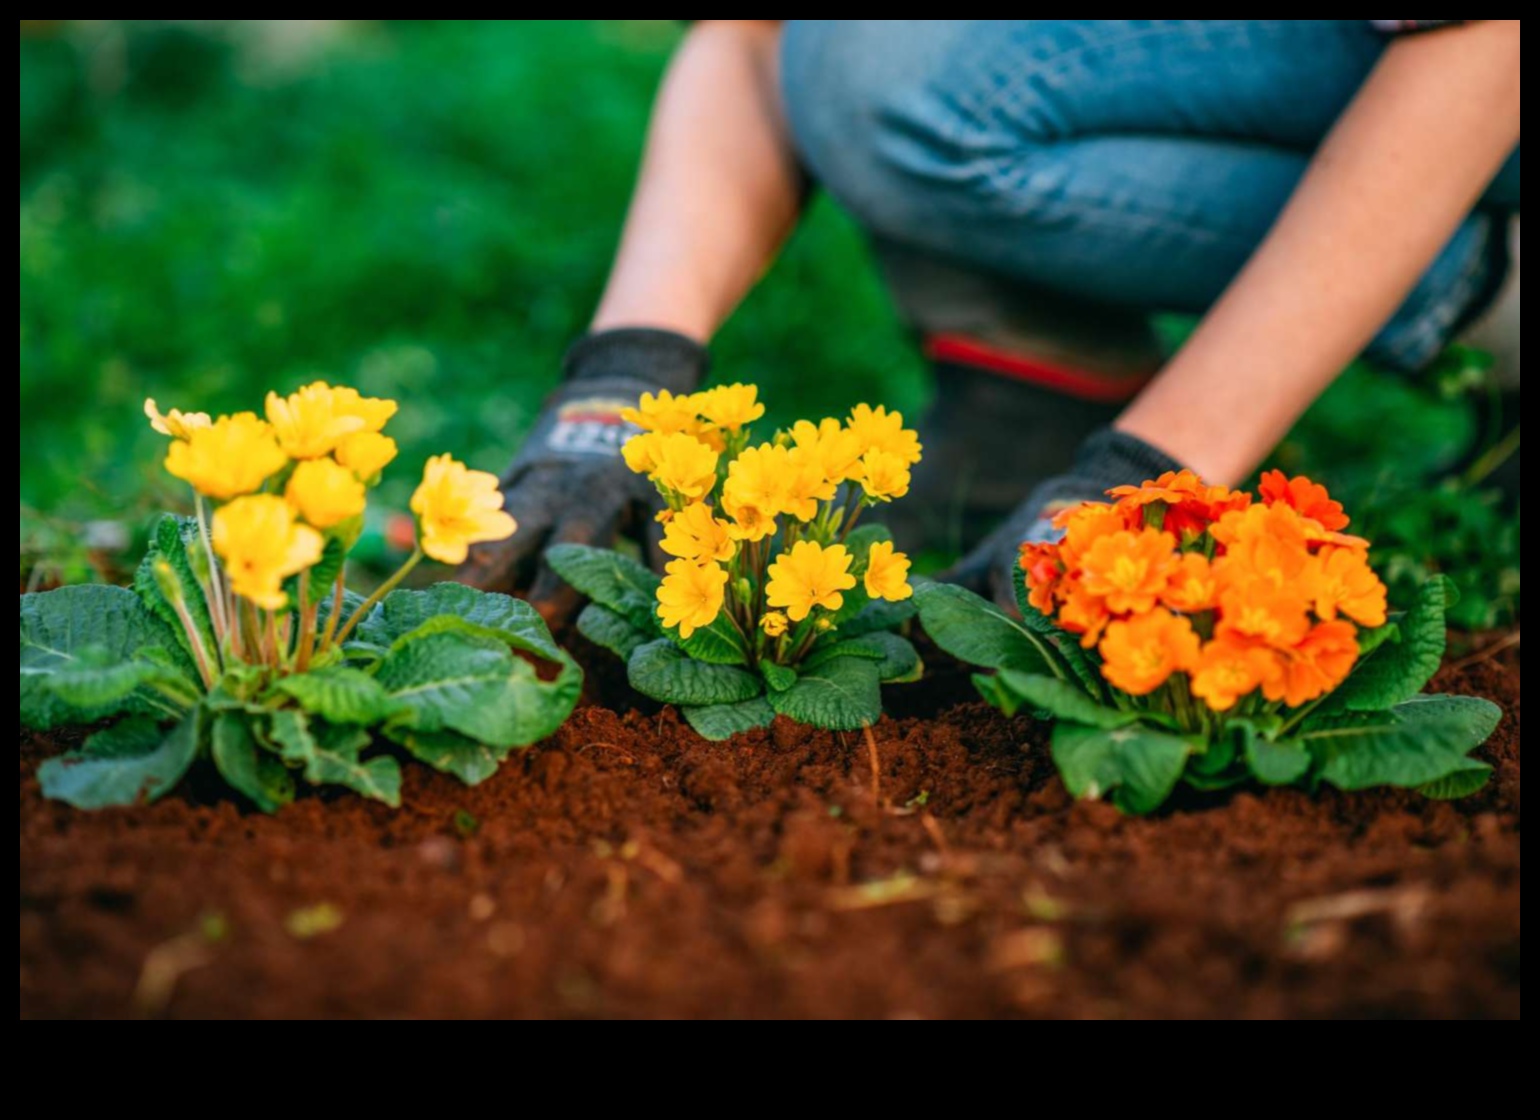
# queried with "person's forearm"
point(1397, 175)
point(719, 188)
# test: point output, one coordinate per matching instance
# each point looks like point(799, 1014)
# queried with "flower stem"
point(339, 592)
point(307, 615)
point(380, 592)
point(200, 654)
point(213, 594)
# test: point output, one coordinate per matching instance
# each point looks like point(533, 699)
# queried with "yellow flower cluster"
point(283, 483)
point(760, 531)
point(1226, 598)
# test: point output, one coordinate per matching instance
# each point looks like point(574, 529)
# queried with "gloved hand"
point(1108, 458)
point(569, 482)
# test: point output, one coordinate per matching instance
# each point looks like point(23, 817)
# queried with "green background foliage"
point(424, 209)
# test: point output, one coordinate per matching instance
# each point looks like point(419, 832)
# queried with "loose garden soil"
point(625, 868)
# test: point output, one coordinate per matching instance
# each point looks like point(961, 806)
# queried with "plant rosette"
point(239, 641)
point(1189, 633)
point(776, 601)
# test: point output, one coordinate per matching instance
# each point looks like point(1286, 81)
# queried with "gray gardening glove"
point(569, 482)
point(1108, 458)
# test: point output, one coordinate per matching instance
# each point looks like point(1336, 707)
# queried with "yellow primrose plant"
point(777, 600)
point(240, 642)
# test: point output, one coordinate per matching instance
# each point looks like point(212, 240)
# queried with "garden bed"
point(626, 868)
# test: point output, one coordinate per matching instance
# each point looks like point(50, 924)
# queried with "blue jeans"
point(1131, 162)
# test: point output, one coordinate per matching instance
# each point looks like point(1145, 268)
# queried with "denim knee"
point(877, 112)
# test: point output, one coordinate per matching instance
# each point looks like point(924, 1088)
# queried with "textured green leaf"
point(1135, 767)
point(878, 615)
point(452, 753)
point(176, 540)
point(129, 763)
point(339, 694)
point(75, 637)
point(897, 660)
point(661, 670)
point(974, 630)
point(1276, 764)
point(1061, 700)
point(250, 770)
point(1421, 741)
point(512, 620)
point(473, 684)
point(722, 721)
point(332, 755)
point(844, 694)
point(778, 677)
point(825, 652)
point(609, 579)
point(290, 731)
point(1398, 670)
point(1460, 783)
point(717, 644)
point(611, 631)
point(1065, 645)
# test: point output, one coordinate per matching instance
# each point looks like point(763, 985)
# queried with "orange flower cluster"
point(1222, 593)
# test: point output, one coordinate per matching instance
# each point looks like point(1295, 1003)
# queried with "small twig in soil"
point(871, 751)
point(625, 755)
point(933, 829)
point(1488, 652)
point(163, 966)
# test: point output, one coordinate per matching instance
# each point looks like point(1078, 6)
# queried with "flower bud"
point(166, 580)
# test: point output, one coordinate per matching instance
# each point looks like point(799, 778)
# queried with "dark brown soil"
point(627, 869)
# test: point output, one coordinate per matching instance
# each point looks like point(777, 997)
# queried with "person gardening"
point(1034, 190)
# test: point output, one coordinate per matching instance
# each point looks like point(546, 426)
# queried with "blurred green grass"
point(423, 208)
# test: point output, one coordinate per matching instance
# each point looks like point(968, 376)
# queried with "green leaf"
point(175, 540)
point(611, 631)
point(470, 682)
point(611, 580)
point(1136, 767)
point(717, 644)
point(900, 662)
point(75, 637)
point(1419, 742)
point(512, 620)
point(1460, 783)
point(974, 630)
point(452, 753)
point(844, 694)
point(250, 770)
point(778, 677)
point(878, 615)
point(722, 721)
point(1275, 764)
point(1398, 670)
point(339, 694)
point(827, 651)
point(1061, 700)
point(129, 763)
point(1065, 645)
point(661, 670)
point(332, 755)
point(290, 731)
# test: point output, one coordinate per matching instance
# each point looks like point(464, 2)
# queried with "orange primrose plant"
point(1186, 632)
